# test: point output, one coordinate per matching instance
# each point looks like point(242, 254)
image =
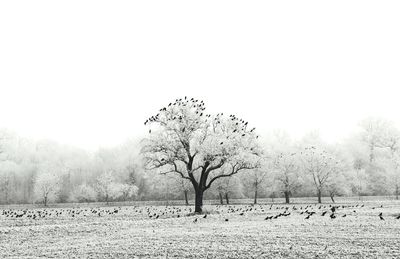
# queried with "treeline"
point(366, 163)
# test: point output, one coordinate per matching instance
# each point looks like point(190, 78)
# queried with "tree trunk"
point(397, 191)
point(199, 201)
point(319, 194)
point(371, 154)
point(186, 197)
point(287, 199)
point(45, 201)
point(227, 198)
point(255, 192)
point(332, 195)
point(221, 200)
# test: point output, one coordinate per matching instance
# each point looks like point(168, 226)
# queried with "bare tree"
point(180, 185)
point(320, 165)
point(107, 187)
point(374, 133)
point(337, 185)
point(286, 168)
point(392, 141)
point(359, 166)
point(46, 186)
point(197, 146)
point(227, 186)
point(257, 178)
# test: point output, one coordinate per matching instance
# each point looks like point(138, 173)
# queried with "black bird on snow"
point(323, 213)
point(205, 216)
point(344, 216)
point(226, 219)
point(308, 216)
point(380, 216)
point(333, 216)
point(398, 217)
point(195, 220)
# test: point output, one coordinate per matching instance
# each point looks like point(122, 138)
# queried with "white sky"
point(89, 73)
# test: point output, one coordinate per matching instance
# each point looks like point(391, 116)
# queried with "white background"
point(89, 73)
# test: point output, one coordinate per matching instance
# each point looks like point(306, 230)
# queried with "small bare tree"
point(287, 168)
point(107, 187)
point(46, 186)
point(320, 165)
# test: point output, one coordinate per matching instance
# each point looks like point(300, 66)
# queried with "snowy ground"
point(237, 231)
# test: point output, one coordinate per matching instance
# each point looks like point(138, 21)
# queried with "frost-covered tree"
point(338, 185)
point(226, 187)
point(180, 186)
point(320, 165)
point(84, 193)
point(199, 147)
point(128, 191)
point(360, 178)
point(287, 173)
point(258, 177)
point(374, 134)
point(107, 187)
point(47, 185)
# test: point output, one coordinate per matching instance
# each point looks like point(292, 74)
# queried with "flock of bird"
point(36, 214)
point(239, 126)
point(270, 212)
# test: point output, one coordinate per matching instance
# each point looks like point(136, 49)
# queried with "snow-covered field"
point(236, 231)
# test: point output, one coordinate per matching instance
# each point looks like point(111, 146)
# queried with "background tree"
point(84, 193)
point(338, 185)
point(107, 187)
point(359, 167)
point(227, 187)
point(256, 179)
point(47, 185)
point(286, 173)
point(197, 146)
point(373, 134)
point(181, 185)
point(320, 166)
